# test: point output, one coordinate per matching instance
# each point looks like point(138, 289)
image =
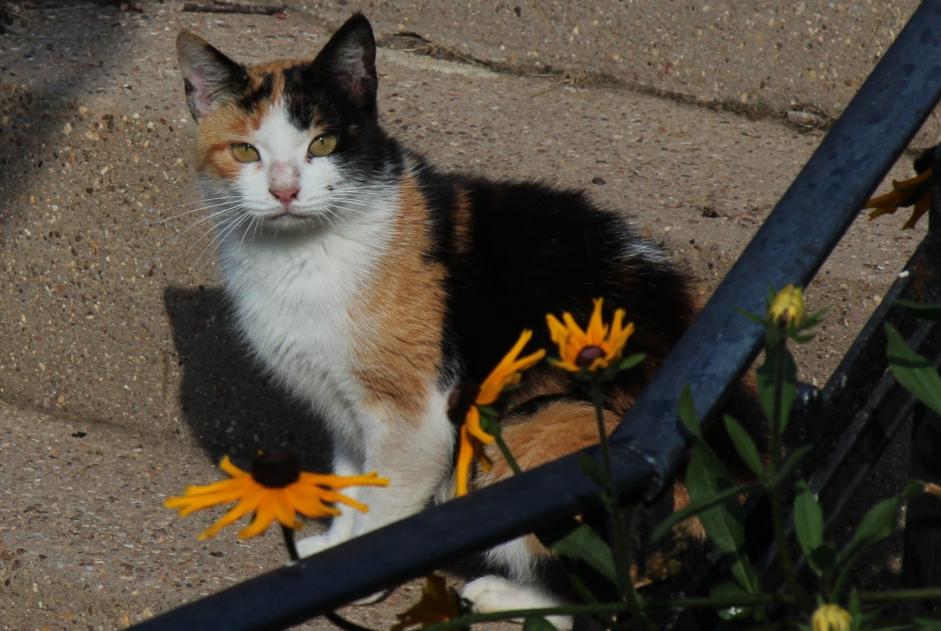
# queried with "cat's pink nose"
point(286, 195)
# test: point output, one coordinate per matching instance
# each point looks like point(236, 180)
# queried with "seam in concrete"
point(807, 117)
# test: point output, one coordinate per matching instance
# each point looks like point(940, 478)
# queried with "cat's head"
point(289, 143)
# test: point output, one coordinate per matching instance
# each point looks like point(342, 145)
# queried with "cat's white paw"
point(309, 546)
point(490, 594)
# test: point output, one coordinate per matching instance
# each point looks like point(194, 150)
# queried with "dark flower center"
point(276, 469)
point(587, 356)
point(462, 397)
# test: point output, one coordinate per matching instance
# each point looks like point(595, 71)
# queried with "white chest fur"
point(293, 295)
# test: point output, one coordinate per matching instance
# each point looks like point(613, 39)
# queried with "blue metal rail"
point(789, 248)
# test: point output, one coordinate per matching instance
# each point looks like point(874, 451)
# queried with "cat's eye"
point(244, 152)
point(322, 145)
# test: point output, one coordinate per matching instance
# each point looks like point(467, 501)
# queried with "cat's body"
point(373, 286)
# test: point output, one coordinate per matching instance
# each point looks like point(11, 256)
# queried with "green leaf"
point(808, 522)
point(928, 312)
point(745, 446)
point(879, 522)
point(914, 372)
point(585, 544)
point(745, 574)
point(629, 362)
point(595, 471)
point(687, 412)
point(766, 379)
point(696, 507)
point(823, 559)
point(537, 623)
point(924, 624)
point(703, 482)
point(855, 609)
point(791, 462)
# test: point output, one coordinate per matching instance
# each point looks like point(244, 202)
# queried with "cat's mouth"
point(287, 219)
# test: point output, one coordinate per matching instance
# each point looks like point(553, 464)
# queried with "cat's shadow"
point(231, 407)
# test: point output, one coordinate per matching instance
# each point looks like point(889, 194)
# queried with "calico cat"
point(373, 286)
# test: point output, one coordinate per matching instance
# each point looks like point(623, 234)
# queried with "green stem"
point(507, 454)
point(289, 542)
point(777, 509)
point(618, 534)
point(900, 595)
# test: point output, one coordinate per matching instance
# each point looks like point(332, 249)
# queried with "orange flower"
point(276, 489)
point(472, 435)
point(913, 191)
point(593, 349)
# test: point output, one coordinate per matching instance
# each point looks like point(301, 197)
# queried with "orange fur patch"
point(555, 430)
point(400, 316)
point(217, 130)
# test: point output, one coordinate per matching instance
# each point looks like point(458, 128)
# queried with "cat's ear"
point(349, 58)
point(209, 77)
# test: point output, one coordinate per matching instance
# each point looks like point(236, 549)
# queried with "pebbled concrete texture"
point(112, 322)
point(798, 60)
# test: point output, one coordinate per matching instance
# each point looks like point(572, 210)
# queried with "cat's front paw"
point(492, 594)
point(309, 546)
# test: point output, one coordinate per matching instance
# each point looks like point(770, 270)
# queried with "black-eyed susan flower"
point(473, 437)
point(914, 191)
point(829, 617)
point(594, 348)
point(787, 307)
point(275, 490)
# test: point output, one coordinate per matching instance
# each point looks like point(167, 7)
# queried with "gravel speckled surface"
point(111, 317)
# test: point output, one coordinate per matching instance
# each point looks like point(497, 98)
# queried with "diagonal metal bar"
point(790, 247)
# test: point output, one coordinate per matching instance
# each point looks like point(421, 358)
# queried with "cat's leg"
point(553, 431)
point(346, 462)
point(494, 593)
point(413, 451)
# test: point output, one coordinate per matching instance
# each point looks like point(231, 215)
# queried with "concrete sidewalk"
point(121, 377)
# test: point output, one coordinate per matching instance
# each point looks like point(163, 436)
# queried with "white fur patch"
point(492, 594)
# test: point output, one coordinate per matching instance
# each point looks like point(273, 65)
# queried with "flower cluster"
point(593, 352)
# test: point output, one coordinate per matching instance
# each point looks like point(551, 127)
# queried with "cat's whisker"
point(224, 233)
point(188, 212)
point(201, 220)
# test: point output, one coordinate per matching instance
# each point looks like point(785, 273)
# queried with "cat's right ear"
point(209, 77)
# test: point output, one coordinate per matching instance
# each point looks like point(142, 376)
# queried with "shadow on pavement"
point(230, 406)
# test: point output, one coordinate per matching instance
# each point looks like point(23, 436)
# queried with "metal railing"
point(647, 447)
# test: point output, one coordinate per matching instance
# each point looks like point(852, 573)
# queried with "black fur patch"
point(253, 96)
point(535, 251)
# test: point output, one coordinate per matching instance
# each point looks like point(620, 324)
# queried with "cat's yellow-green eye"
point(322, 145)
point(244, 152)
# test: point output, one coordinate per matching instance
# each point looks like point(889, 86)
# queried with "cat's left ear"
point(209, 77)
point(349, 58)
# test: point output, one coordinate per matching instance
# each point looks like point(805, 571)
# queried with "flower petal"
point(464, 455)
point(472, 423)
point(308, 502)
point(921, 207)
point(284, 509)
point(245, 506)
point(264, 515)
point(596, 328)
point(343, 481)
point(227, 466)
